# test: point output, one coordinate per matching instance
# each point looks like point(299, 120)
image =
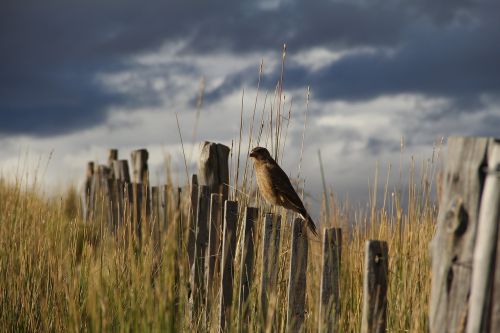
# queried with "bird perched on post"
point(275, 186)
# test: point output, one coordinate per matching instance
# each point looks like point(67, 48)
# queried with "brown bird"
point(275, 186)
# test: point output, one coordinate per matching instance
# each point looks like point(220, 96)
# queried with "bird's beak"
point(252, 154)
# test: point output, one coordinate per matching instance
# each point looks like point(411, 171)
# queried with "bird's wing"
point(284, 188)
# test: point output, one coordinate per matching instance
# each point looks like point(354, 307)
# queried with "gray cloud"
point(51, 52)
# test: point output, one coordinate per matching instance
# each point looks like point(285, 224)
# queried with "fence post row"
point(297, 277)
point(329, 306)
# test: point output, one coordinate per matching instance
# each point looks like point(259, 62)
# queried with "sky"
point(79, 77)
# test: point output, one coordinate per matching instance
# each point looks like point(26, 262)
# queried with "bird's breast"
point(265, 183)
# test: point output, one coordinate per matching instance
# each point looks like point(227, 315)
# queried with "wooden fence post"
point(193, 209)
point(485, 249)
point(87, 196)
point(140, 165)
point(140, 190)
point(112, 158)
point(179, 248)
point(165, 204)
point(246, 269)
point(213, 251)
point(329, 306)
point(453, 244)
point(269, 274)
point(297, 277)
point(375, 287)
point(154, 221)
point(198, 266)
point(227, 266)
point(213, 167)
point(121, 170)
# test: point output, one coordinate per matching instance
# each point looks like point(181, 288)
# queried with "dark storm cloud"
point(51, 51)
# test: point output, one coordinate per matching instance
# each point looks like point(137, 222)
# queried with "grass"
point(59, 274)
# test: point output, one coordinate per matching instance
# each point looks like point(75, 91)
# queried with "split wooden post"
point(178, 250)
point(375, 287)
point(121, 170)
point(297, 277)
point(227, 263)
point(270, 258)
point(86, 195)
point(140, 188)
point(155, 217)
point(495, 306)
point(112, 158)
point(246, 269)
point(165, 202)
point(213, 167)
point(193, 209)
point(213, 250)
point(486, 246)
point(329, 306)
point(198, 266)
point(140, 165)
point(453, 244)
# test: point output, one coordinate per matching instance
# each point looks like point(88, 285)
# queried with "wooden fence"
point(219, 233)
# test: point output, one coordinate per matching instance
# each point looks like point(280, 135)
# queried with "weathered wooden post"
point(155, 216)
point(329, 306)
point(201, 240)
point(212, 262)
point(297, 279)
point(121, 170)
point(227, 263)
point(86, 195)
point(112, 157)
point(140, 165)
point(178, 229)
point(213, 167)
point(246, 269)
point(375, 287)
point(165, 204)
point(269, 274)
point(483, 268)
point(453, 244)
point(193, 209)
point(140, 188)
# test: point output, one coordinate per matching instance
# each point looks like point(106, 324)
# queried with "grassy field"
point(58, 274)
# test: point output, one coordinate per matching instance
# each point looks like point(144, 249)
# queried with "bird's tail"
point(310, 223)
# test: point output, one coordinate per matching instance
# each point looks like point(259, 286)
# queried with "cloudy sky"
point(78, 77)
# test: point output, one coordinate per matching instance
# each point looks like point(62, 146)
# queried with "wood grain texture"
point(213, 167)
point(270, 257)
point(374, 314)
point(453, 244)
point(227, 263)
point(485, 249)
point(297, 277)
point(329, 306)
point(247, 266)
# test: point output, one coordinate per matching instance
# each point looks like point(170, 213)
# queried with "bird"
point(275, 186)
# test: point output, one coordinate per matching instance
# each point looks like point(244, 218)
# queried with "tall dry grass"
point(58, 274)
